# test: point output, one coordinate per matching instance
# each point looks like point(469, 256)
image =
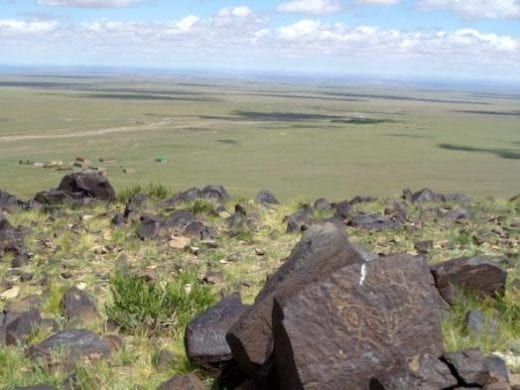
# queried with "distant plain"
point(298, 140)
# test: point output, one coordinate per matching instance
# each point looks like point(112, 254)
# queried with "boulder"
point(205, 336)
point(179, 220)
point(456, 215)
point(135, 206)
point(323, 249)
point(185, 382)
point(374, 221)
point(215, 192)
point(16, 326)
point(300, 220)
point(79, 187)
point(11, 239)
point(149, 227)
point(8, 202)
point(90, 184)
point(427, 195)
point(350, 324)
point(473, 369)
point(422, 372)
point(182, 197)
point(78, 306)
point(343, 209)
point(480, 276)
point(73, 345)
point(266, 198)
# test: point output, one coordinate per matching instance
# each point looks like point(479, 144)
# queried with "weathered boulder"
point(374, 221)
point(16, 326)
point(422, 372)
point(350, 324)
point(73, 345)
point(11, 239)
point(343, 209)
point(135, 206)
point(456, 215)
point(149, 227)
point(266, 198)
point(205, 336)
point(8, 202)
point(474, 369)
point(78, 306)
point(299, 220)
point(182, 197)
point(323, 249)
point(89, 183)
point(425, 195)
point(185, 382)
point(79, 186)
point(215, 192)
point(480, 276)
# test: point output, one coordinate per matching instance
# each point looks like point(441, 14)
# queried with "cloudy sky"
point(429, 38)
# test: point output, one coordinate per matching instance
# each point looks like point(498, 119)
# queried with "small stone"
point(12, 293)
point(179, 242)
point(423, 247)
point(259, 252)
point(77, 305)
point(164, 359)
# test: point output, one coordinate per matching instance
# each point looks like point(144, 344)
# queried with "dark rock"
point(456, 215)
point(241, 220)
point(266, 198)
point(374, 222)
point(473, 369)
point(480, 324)
point(8, 202)
point(480, 276)
point(407, 195)
point(149, 227)
point(15, 326)
point(73, 345)
point(53, 197)
point(423, 372)
point(26, 276)
point(215, 192)
point(90, 184)
point(135, 206)
point(349, 325)
point(78, 306)
point(423, 247)
point(198, 229)
point(343, 209)
point(205, 337)
point(322, 249)
point(179, 220)
point(365, 254)
point(362, 199)
point(164, 360)
point(427, 195)
point(185, 382)
point(458, 198)
point(322, 204)
point(118, 220)
point(183, 197)
point(301, 220)
point(11, 239)
point(20, 260)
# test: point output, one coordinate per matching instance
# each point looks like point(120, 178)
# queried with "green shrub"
point(155, 192)
point(140, 305)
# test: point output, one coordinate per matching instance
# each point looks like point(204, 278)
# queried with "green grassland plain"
point(298, 140)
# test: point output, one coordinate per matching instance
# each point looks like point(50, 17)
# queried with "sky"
point(448, 39)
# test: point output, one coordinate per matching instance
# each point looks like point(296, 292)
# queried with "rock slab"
point(353, 323)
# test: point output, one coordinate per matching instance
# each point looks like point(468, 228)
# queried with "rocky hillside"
point(148, 289)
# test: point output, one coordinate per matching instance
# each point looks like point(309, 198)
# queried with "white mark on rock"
point(363, 274)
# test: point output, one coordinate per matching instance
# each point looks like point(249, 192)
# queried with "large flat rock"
point(355, 322)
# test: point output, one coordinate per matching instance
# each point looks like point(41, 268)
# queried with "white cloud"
point(312, 7)
point(12, 26)
point(88, 3)
point(377, 2)
point(240, 12)
point(241, 36)
point(476, 9)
